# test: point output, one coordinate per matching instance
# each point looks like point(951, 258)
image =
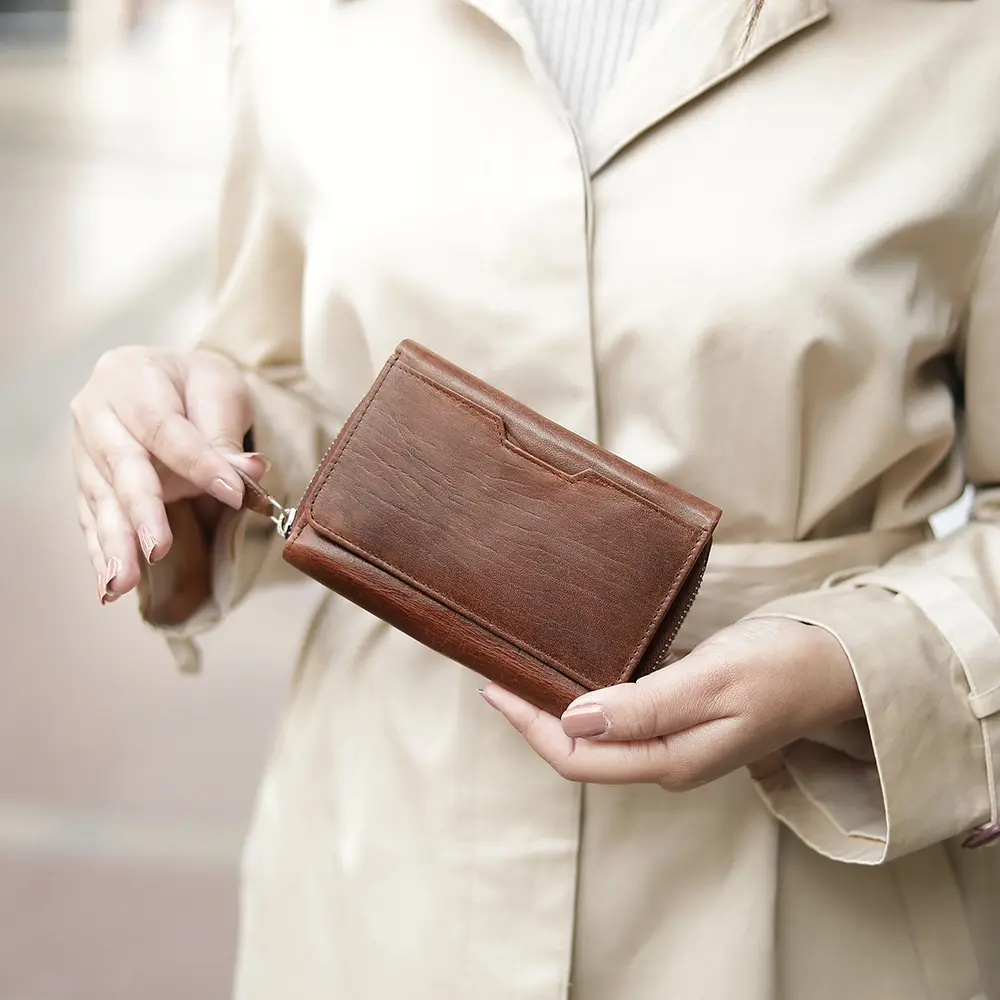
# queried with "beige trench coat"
point(757, 277)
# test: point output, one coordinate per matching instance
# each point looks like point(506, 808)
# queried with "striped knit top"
point(585, 43)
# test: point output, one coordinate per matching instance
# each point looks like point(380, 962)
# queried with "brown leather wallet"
point(497, 537)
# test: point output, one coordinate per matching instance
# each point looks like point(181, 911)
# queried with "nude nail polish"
point(229, 495)
point(112, 571)
point(585, 721)
point(147, 541)
point(266, 462)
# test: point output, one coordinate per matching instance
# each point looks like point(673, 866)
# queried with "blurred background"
point(125, 788)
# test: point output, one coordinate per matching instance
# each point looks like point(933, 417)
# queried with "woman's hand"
point(751, 689)
point(153, 427)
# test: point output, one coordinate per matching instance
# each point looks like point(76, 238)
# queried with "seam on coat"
point(552, 661)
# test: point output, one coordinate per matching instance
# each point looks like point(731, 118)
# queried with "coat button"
point(983, 836)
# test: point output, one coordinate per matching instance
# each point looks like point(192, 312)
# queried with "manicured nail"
point(266, 462)
point(109, 575)
point(585, 721)
point(229, 495)
point(239, 457)
point(148, 542)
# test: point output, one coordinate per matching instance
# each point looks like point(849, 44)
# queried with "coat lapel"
point(510, 16)
point(694, 46)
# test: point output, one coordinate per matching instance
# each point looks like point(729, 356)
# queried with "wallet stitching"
point(636, 655)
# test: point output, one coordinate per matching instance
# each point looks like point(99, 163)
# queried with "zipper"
point(665, 642)
point(672, 634)
point(284, 517)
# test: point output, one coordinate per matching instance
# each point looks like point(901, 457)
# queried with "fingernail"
point(109, 575)
point(229, 495)
point(266, 462)
point(485, 697)
point(585, 721)
point(147, 541)
point(238, 457)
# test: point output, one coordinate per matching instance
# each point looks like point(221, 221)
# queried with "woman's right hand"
point(153, 427)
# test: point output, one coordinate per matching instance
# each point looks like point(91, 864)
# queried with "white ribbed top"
point(584, 44)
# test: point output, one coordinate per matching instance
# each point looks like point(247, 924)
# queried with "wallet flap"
point(570, 564)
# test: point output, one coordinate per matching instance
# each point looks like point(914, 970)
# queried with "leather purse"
point(497, 537)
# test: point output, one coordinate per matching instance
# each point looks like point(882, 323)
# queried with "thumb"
point(663, 703)
point(218, 404)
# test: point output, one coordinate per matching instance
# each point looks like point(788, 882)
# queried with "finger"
point(89, 528)
point(115, 536)
point(135, 482)
point(218, 404)
point(153, 413)
point(671, 700)
point(580, 760)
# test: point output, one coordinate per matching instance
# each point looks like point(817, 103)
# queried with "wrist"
point(834, 671)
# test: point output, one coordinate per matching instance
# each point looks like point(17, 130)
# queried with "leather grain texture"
point(499, 538)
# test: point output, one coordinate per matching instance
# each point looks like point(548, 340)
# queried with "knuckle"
point(90, 495)
point(130, 501)
point(675, 782)
point(76, 407)
point(114, 462)
point(530, 730)
point(107, 362)
point(566, 767)
point(152, 426)
point(644, 717)
point(199, 465)
point(682, 775)
point(718, 684)
point(223, 442)
point(111, 362)
point(125, 467)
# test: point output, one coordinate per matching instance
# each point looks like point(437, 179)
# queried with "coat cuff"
point(198, 583)
point(930, 774)
point(238, 552)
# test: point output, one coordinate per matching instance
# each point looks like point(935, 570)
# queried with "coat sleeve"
point(923, 636)
point(256, 321)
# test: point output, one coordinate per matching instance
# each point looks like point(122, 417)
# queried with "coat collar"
point(694, 46)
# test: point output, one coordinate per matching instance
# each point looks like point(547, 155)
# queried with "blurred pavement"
point(125, 788)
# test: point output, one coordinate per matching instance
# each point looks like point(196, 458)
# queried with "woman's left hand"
point(746, 692)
